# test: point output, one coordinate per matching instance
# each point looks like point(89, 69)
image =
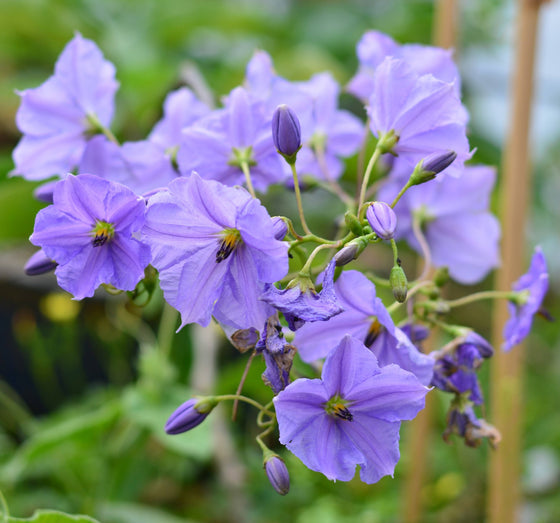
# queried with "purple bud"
point(39, 263)
point(278, 475)
point(286, 132)
point(190, 414)
point(280, 227)
point(437, 162)
point(382, 219)
point(44, 193)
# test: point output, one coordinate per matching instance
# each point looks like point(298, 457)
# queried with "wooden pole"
point(446, 16)
point(506, 373)
point(444, 35)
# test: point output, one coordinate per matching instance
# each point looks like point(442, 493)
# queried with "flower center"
point(373, 332)
point(336, 406)
point(230, 238)
point(102, 232)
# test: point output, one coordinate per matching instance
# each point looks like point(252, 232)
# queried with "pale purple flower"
point(216, 145)
point(366, 319)
point(180, 110)
point(424, 113)
point(142, 166)
point(351, 416)
point(300, 302)
point(335, 132)
point(535, 284)
point(461, 232)
point(91, 231)
point(55, 118)
point(214, 248)
point(374, 47)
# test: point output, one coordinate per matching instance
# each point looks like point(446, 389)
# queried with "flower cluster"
point(189, 202)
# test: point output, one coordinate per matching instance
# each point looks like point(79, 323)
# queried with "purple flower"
point(534, 284)
point(56, 117)
point(374, 47)
point(366, 319)
point(351, 416)
point(277, 353)
point(214, 248)
point(216, 146)
point(460, 231)
point(425, 115)
point(335, 132)
point(300, 302)
point(180, 110)
point(189, 415)
point(382, 219)
point(90, 231)
point(141, 166)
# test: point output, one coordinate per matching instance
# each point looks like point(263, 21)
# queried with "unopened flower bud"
point(277, 473)
point(382, 219)
point(280, 227)
point(39, 263)
point(441, 276)
point(286, 133)
point(190, 414)
point(399, 283)
point(429, 167)
point(349, 252)
point(44, 193)
point(353, 223)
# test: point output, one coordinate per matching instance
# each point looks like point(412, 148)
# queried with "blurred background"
point(84, 393)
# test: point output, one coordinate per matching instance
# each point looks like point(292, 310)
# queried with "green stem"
point(246, 171)
point(485, 295)
point(395, 252)
point(401, 192)
point(372, 161)
point(305, 270)
point(250, 401)
point(4, 508)
point(332, 185)
point(298, 200)
point(100, 128)
point(166, 329)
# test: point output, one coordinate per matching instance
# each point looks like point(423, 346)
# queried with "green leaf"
point(53, 516)
point(121, 512)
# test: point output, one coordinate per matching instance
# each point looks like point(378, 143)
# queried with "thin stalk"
point(305, 270)
point(483, 295)
point(426, 253)
point(250, 401)
point(333, 185)
point(241, 383)
point(372, 161)
point(298, 200)
point(401, 192)
point(98, 126)
point(246, 171)
point(166, 328)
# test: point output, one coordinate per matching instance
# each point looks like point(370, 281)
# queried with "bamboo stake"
point(446, 16)
point(506, 398)
point(444, 35)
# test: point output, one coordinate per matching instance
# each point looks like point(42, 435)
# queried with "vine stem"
point(484, 295)
point(426, 253)
point(246, 171)
point(333, 185)
point(241, 383)
point(306, 268)
point(372, 161)
point(298, 200)
point(250, 401)
point(98, 126)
